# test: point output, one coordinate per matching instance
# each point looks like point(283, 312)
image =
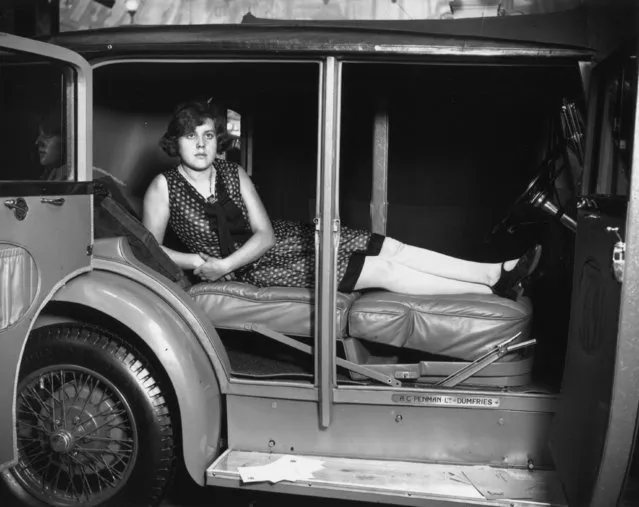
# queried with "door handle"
point(618, 255)
point(54, 201)
point(19, 207)
point(587, 203)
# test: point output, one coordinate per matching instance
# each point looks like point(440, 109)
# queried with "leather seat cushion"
point(237, 305)
point(460, 326)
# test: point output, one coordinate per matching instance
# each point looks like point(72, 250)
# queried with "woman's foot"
point(509, 283)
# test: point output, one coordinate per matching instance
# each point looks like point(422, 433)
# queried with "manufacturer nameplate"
point(433, 400)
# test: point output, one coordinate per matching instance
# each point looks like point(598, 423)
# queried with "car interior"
point(464, 142)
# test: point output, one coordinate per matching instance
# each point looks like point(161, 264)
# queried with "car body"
point(425, 136)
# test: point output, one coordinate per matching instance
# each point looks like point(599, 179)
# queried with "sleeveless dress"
point(218, 227)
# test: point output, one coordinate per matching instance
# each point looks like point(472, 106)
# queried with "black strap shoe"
point(509, 283)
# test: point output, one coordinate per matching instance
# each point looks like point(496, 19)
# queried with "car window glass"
point(616, 130)
point(36, 138)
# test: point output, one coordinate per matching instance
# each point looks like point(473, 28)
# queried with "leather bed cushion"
point(235, 305)
point(460, 326)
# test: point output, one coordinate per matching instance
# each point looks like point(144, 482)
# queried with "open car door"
point(594, 427)
point(45, 195)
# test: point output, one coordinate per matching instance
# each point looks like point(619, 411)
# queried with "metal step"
point(395, 482)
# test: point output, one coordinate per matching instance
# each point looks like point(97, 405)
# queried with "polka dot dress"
point(290, 263)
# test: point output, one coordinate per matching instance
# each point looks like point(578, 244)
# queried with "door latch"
point(587, 203)
point(19, 207)
point(618, 255)
point(55, 201)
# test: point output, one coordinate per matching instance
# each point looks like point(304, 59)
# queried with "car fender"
point(190, 356)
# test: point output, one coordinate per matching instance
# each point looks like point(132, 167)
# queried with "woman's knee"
point(376, 273)
point(391, 247)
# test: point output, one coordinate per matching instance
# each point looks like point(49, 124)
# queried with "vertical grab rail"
point(327, 238)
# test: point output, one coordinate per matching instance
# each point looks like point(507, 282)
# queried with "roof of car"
point(455, 38)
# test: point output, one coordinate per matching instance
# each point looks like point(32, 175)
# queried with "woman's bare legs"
point(441, 265)
point(381, 273)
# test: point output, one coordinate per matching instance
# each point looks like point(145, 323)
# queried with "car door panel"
point(597, 372)
point(33, 267)
point(46, 232)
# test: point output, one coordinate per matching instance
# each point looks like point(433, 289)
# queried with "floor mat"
point(254, 356)
point(251, 364)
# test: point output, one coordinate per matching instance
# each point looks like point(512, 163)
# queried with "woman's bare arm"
point(155, 217)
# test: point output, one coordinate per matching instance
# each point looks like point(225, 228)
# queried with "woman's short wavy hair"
point(186, 117)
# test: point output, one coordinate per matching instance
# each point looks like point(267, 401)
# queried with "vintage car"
point(120, 373)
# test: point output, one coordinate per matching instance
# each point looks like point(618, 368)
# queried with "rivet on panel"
point(500, 421)
point(399, 418)
point(271, 443)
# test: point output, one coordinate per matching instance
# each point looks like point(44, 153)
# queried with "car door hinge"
point(336, 224)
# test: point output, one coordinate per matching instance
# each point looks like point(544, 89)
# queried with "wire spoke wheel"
point(93, 424)
point(77, 438)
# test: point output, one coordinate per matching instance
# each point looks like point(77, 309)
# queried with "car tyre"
point(94, 425)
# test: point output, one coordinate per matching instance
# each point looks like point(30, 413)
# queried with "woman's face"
point(49, 149)
point(198, 148)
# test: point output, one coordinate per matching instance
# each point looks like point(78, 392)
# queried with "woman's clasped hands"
point(213, 269)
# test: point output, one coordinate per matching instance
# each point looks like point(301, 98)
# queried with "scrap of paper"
point(512, 484)
point(286, 468)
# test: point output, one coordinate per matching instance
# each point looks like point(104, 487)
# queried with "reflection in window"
point(623, 126)
point(617, 131)
point(34, 138)
point(50, 146)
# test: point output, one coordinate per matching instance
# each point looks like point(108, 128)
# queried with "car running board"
point(307, 349)
point(385, 481)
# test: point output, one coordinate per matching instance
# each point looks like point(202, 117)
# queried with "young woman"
point(214, 209)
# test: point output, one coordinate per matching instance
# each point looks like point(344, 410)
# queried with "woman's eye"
point(190, 136)
point(210, 136)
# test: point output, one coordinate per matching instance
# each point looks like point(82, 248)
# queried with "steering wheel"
point(537, 194)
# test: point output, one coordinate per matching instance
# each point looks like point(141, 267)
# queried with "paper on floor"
point(286, 468)
point(514, 484)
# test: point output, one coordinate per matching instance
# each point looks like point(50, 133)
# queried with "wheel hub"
point(61, 441)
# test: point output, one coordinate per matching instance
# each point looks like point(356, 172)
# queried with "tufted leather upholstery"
point(234, 305)
point(460, 326)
